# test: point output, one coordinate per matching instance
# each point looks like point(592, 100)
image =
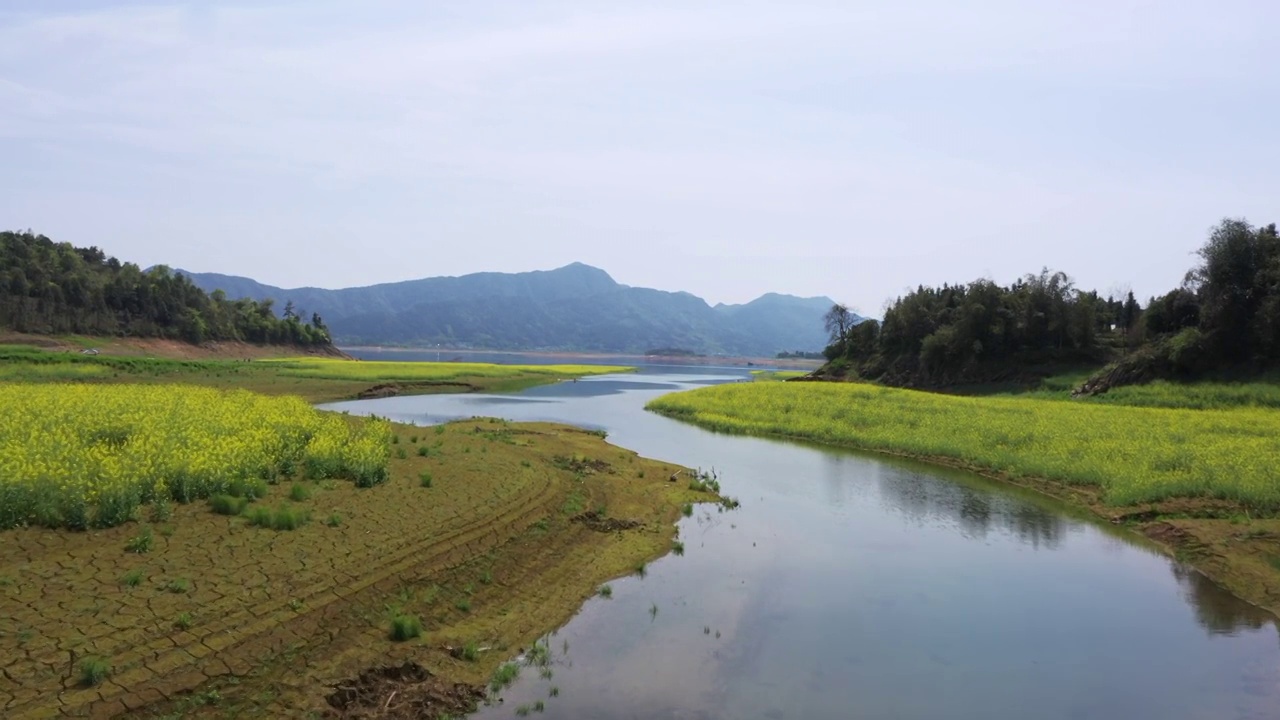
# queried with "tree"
point(837, 322)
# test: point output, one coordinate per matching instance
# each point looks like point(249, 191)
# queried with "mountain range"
point(573, 308)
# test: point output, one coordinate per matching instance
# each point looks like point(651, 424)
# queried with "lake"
point(850, 585)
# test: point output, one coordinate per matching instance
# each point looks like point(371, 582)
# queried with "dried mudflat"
point(231, 620)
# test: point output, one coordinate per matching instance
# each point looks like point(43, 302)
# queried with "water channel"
point(855, 586)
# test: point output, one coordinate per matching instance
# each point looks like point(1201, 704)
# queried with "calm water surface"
point(849, 586)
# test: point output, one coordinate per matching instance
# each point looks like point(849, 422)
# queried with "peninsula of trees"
point(1224, 317)
point(57, 288)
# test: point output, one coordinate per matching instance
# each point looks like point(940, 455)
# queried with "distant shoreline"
point(720, 360)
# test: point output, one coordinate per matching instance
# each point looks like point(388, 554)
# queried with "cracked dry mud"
point(489, 553)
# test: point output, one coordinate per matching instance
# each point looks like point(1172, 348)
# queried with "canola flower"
point(380, 370)
point(88, 455)
point(1135, 454)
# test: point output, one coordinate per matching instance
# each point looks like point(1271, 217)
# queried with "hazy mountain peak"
point(573, 307)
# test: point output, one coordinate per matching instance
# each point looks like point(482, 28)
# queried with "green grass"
point(470, 651)
point(93, 670)
point(161, 510)
point(504, 676)
point(227, 504)
point(424, 479)
point(282, 518)
point(776, 375)
point(605, 591)
point(376, 370)
point(141, 543)
point(677, 547)
point(133, 578)
point(1134, 454)
point(334, 520)
point(405, 627)
point(178, 586)
point(574, 503)
point(423, 451)
point(184, 621)
point(299, 493)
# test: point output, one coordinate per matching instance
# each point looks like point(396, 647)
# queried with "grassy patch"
point(282, 517)
point(424, 479)
point(133, 578)
point(299, 493)
point(227, 504)
point(605, 591)
point(405, 627)
point(504, 676)
point(178, 586)
point(141, 543)
point(184, 621)
point(93, 670)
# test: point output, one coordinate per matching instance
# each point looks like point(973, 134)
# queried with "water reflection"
point(1217, 610)
point(854, 586)
point(939, 495)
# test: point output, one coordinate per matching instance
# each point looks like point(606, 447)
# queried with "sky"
point(847, 149)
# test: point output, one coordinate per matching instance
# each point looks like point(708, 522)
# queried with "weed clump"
point(424, 479)
point(605, 591)
point(504, 676)
point(141, 543)
point(282, 518)
point(405, 627)
point(299, 493)
point(93, 670)
point(228, 504)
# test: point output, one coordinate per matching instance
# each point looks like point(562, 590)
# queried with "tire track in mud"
point(236, 642)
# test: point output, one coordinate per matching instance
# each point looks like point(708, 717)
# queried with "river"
point(856, 586)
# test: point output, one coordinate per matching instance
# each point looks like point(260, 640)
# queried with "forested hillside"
point(53, 288)
point(576, 307)
point(1226, 315)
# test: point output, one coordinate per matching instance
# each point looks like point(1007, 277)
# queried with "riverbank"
point(487, 533)
point(1196, 481)
point(317, 379)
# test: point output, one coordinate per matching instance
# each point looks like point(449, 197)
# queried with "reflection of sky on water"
point(853, 586)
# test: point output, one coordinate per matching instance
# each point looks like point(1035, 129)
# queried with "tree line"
point(1225, 314)
point(52, 288)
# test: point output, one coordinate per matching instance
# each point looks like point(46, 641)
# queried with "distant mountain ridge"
point(573, 308)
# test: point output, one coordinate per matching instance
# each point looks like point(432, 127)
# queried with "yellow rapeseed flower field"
point(380, 370)
point(88, 455)
point(1136, 454)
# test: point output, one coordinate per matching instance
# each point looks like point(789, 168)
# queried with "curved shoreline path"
point(856, 586)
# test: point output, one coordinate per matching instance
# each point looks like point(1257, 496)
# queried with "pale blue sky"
point(724, 148)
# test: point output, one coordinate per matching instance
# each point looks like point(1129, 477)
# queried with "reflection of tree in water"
point(1217, 610)
point(921, 497)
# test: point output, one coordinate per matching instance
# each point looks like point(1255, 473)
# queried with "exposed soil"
point(405, 691)
point(600, 523)
point(488, 554)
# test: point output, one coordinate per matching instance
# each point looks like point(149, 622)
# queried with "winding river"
point(854, 586)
